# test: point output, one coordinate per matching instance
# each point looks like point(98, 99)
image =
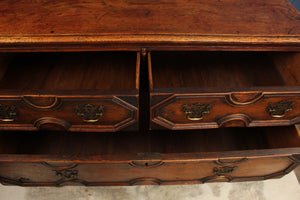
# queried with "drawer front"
point(145, 172)
point(101, 114)
point(212, 111)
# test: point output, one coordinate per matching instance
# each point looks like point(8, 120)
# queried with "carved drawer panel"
point(229, 154)
point(145, 172)
point(197, 90)
point(75, 91)
point(108, 113)
point(223, 110)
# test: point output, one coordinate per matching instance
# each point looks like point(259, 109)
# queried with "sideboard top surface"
point(151, 23)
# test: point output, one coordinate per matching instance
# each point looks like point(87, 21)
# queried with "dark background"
point(296, 3)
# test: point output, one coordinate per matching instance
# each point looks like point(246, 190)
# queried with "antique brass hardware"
point(67, 174)
point(280, 108)
point(197, 111)
point(89, 113)
point(7, 113)
point(223, 170)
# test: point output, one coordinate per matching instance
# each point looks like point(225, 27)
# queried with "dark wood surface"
point(104, 71)
point(228, 70)
point(124, 146)
point(119, 24)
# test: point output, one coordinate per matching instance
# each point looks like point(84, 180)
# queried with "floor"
point(286, 188)
point(297, 172)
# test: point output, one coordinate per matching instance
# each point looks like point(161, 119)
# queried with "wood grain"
point(238, 85)
point(108, 147)
point(229, 70)
point(45, 88)
point(36, 174)
point(169, 112)
point(112, 24)
point(188, 157)
point(71, 71)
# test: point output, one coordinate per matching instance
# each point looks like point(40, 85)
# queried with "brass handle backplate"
point(197, 111)
point(279, 109)
point(7, 113)
point(67, 174)
point(219, 171)
point(89, 113)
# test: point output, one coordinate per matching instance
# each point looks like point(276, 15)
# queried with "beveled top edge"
point(131, 24)
point(150, 41)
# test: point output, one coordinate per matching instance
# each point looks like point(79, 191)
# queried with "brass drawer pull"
point(67, 174)
point(279, 109)
point(223, 170)
point(197, 111)
point(89, 113)
point(7, 113)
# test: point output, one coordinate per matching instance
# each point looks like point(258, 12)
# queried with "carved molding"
point(42, 102)
point(150, 180)
point(224, 162)
point(59, 167)
point(218, 178)
point(243, 98)
point(241, 119)
point(244, 119)
point(147, 164)
point(295, 158)
point(67, 174)
point(145, 181)
point(56, 123)
point(222, 173)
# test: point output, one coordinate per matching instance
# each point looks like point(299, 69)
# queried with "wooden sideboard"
point(157, 92)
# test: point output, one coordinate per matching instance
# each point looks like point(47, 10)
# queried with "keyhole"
point(146, 164)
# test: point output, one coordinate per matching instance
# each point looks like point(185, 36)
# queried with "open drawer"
point(79, 91)
point(162, 157)
point(197, 90)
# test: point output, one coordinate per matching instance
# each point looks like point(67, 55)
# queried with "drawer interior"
point(69, 71)
point(83, 146)
point(223, 69)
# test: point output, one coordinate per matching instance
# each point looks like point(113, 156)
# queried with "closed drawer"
point(197, 90)
point(145, 172)
point(96, 91)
